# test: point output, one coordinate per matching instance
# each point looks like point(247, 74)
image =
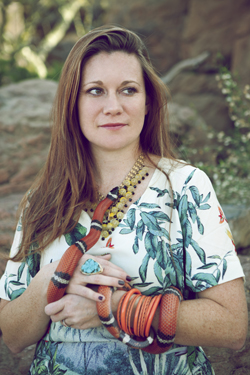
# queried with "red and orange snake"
point(169, 303)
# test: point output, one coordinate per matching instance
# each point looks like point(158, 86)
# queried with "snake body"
point(60, 280)
point(73, 254)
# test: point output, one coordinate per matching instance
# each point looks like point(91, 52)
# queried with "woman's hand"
point(78, 306)
point(79, 312)
point(112, 275)
point(76, 311)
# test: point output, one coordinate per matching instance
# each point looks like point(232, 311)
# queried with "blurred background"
point(201, 50)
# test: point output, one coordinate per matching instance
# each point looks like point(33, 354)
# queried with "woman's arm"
point(218, 317)
point(23, 321)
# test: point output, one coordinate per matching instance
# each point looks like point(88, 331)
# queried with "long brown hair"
point(66, 181)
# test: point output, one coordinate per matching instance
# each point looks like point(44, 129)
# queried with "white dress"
point(203, 255)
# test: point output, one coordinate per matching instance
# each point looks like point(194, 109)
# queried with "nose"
point(112, 105)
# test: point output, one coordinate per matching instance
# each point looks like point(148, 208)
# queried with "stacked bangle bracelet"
point(137, 320)
point(135, 314)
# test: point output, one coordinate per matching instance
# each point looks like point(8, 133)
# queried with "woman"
point(166, 228)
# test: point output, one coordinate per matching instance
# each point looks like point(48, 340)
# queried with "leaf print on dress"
point(45, 361)
point(33, 263)
point(188, 214)
point(15, 284)
point(219, 266)
point(76, 234)
point(148, 222)
point(11, 292)
point(188, 210)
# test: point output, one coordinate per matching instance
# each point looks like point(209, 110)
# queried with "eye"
point(129, 90)
point(96, 91)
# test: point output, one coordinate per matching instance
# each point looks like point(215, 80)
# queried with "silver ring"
point(64, 323)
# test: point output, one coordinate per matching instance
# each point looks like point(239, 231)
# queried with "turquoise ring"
point(91, 267)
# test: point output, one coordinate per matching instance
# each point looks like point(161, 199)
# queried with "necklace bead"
point(114, 215)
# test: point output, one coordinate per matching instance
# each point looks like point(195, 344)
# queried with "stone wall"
point(175, 30)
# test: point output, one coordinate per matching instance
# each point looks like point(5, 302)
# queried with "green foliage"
point(54, 70)
point(10, 72)
point(31, 29)
point(230, 173)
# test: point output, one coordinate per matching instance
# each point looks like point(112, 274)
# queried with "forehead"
point(114, 65)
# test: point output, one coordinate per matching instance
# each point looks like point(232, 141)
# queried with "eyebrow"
point(100, 83)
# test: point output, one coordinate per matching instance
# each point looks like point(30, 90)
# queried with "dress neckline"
point(135, 203)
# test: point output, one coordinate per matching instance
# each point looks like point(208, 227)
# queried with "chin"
point(116, 145)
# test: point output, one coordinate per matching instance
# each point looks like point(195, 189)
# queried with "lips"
point(113, 126)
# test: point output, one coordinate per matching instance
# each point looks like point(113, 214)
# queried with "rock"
point(159, 22)
point(4, 176)
point(8, 220)
point(239, 220)
point(245, 261)
point(241, 58)
point(15, 364)
point(2, 267)
point(25, 132)
point(241, 371)
point(186, 123)
point(227, 361)
point(203, 96)
point(206, 26)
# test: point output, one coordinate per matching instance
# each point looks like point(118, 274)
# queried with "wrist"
point(117, 295)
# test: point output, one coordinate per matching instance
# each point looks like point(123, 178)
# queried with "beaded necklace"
point(114, 215)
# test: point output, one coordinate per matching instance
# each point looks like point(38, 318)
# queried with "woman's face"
point(112, 101)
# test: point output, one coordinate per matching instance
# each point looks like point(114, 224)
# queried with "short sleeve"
point(211, 258)
point(18, 275)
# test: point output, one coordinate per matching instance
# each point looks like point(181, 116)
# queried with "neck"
point(112, 167)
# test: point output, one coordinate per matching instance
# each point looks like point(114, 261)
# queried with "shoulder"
point(183, 174)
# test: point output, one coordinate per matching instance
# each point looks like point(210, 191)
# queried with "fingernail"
point(128, 278)
point(121, 282)
point(100, 298)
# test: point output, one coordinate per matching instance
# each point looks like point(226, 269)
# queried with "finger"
point(57, 317)
point(120, 277)
point(86, 292)
point(100, 259)
point(101, 279)
point(54, 307)
point(106, 256)
point(108, 269)
point(107, 264)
